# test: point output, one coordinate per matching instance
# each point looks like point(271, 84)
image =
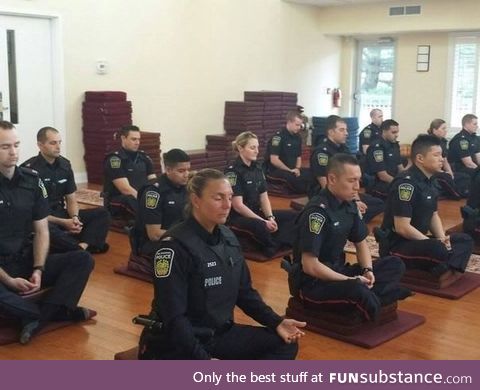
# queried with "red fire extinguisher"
point(337, 97)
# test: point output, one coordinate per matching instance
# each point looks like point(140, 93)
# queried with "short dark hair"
point(331, 122)
point(387, 124)
point(124, 130)
point(422, 144)
point(174, 157)
point(292, 115)
point(468, 118)
point(6, 125)
point(336, 163)
point(42, 133)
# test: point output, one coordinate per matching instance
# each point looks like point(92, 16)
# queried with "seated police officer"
point(200, 275)
point(283, 158)
point(332, 144)
point(451, 185)
point(251, 209)
point(471, 211)
point(411, 213)
point(161, 204)
point(70, 227)
point(320, 273)
point(384, 161)
point(464, 147)
point(370, 132)
point(24, 265)
point(126, 171)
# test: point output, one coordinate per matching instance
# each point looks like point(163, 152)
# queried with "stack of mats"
point(103, 113)
point(275, 107)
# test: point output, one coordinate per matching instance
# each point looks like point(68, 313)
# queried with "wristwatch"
point(366, 269)
point(271, 217)
point(39, 268)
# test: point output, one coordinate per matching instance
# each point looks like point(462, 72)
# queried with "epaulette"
point(29, 171)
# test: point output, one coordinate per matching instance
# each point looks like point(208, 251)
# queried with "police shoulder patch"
point(367, 133)
point(378, 155)
point(276, 140)
point(464, 144)
point(322, 159)
point(405, 191)
point(42, 187)
point(151, 199)
point(163, 261)
point(231, 177)
point(315, 222)
point(115, 162)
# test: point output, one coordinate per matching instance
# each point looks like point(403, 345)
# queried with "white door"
point(26, 77)
point(375, 79)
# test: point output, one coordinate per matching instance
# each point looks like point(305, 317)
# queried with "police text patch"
point(151, 199)
point(405, 192)
point(464, 144)
point(42, 187)
point(378, 155)
point(115, 162)
point(276, 140)
point(163, 261)
point(315, 222)
point(232, 178)
point(322, 159)
point(367, 133)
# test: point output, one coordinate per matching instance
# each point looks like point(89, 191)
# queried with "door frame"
point(360, 43)
point(58, 75)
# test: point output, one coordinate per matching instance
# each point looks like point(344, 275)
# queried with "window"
point(464, 84)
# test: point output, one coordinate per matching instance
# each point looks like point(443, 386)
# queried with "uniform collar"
point(17, 174)
point(43, 162)
point(418, 174)
point(239, 163)
point(128, 154)
point(333, 144)
point(374, 127)
point(166, 181)
point(466, 133)
point(333, 202)
point(210, 239)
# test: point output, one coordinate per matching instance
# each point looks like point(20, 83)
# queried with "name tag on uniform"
point(47, 179)
point(429, 197)
point(130, 169)
point(171, 202)
point(249, 182)
point(336, 223)
point(61, 181)
point(289, 144)
point(211, 264)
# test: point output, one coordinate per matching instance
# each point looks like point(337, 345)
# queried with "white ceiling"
point(325, 3)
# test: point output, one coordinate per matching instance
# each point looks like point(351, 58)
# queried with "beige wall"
point(179, 60)
point(419, 96)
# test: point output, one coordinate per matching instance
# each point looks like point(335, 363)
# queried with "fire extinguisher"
point(337, 97)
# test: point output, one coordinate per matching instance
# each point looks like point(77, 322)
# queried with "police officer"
point(411, 211)
point(450, 185)
point(384, 160)
point(320, 273)
point(70, 228)
point(251, 208)
point(24, 266)
point(370, 132)
point(284, 156)
point(200, 275)
point(125, 172)
point(471, 211)
point(332, 144)
point(464, 154)
point(162, 204)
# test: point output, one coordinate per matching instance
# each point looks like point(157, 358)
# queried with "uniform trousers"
point(120, 205)
point(238, 342)
point(387, 270)
point(379, 189)
point(67, 275)
point(453, 188)
point(426, 254)
point(258, 231)
point(299, 185)
point(94, 231)
point(375, 206)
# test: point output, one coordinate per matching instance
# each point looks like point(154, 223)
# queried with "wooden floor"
point(450, 332)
